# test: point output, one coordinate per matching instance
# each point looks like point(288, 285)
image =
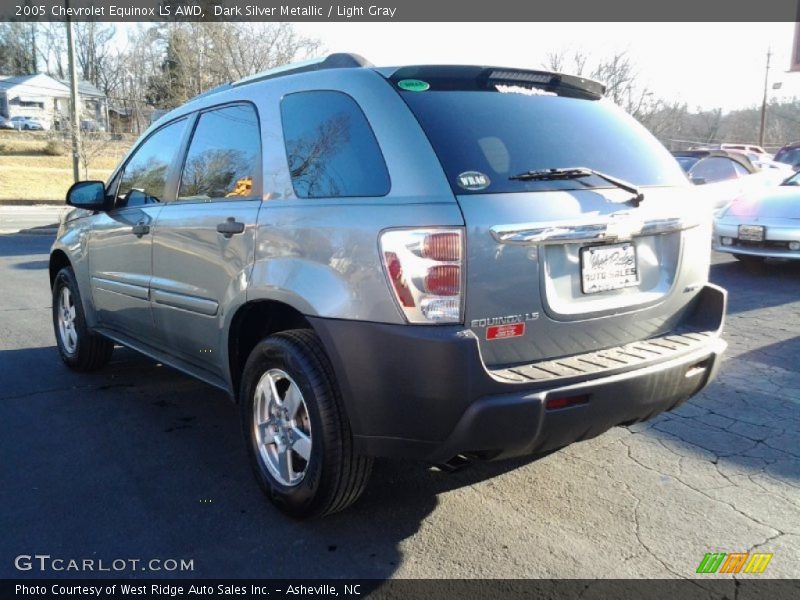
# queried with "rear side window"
point(145, 175)
point(484, 137)
point(330, 147)
point(223, 155)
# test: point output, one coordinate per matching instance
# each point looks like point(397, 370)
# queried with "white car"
point(762, 225)
point(29, 123)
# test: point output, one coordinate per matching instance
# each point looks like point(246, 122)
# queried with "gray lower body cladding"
point(423, 391)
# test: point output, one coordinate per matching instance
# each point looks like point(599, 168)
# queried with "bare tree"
point(18, 53)
point(52, 49)
point(198, 56)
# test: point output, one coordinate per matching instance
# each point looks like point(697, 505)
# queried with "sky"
point(707, 65)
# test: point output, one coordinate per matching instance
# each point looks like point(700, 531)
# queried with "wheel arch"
point(58, 260)
point(252, 322)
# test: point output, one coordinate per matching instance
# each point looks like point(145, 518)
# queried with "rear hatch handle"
point(611, 229)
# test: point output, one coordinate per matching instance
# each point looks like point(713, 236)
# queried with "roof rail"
point(339, 60)
point(220, 88)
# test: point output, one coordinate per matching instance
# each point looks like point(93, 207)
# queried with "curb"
point(44, 230)
point(7, 202)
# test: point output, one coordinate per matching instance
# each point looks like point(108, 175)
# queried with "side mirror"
point(90, 195)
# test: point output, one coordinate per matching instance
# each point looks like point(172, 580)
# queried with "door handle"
point(230, 227)
point(140, 229)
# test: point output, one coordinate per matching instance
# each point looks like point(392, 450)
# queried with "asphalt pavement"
point(36, 218)
point(140, 462)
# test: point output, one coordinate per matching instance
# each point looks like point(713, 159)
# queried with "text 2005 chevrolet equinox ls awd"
point(433, 262)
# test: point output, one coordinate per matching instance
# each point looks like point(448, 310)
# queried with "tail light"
point(425, 271)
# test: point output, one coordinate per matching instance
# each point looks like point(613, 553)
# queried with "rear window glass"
point(686, 162)
point(330, 147)
point(483, 137)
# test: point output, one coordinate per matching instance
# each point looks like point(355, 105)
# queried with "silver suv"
point(444, 263)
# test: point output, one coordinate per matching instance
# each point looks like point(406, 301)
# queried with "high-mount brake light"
point(425, 272)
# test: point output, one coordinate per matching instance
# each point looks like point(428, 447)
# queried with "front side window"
point(223, 155)
point(330, 147)
point(145, 175)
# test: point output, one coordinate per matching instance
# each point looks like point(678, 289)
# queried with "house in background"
point(94, 109)
point(48, 99)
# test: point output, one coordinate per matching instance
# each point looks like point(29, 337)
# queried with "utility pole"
point(764, 102)
point(74, 109)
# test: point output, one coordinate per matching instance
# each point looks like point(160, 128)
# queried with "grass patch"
point(40, 168)
point(46, 183)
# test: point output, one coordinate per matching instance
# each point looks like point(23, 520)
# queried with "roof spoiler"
point(457, 77)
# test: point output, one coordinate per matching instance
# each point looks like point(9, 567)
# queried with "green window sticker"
point(413, 85)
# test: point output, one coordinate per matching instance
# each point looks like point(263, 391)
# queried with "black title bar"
point(401, 10)
point(405, 589)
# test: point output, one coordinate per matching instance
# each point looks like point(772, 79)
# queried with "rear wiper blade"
point(578, 173)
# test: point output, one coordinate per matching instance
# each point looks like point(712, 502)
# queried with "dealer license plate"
point(606, 268)
point(751, 233)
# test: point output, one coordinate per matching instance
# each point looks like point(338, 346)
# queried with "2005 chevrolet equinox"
point(434, 262)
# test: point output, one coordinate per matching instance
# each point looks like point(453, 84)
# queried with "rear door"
point(204, 241)
point(120, 247)
point(560, 267)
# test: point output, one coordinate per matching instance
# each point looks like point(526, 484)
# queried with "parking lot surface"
point(140, 462)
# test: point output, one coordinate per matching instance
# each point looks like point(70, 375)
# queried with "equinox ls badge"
point(507, 320)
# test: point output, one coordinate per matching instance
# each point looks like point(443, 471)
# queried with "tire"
point(749, 259)
point(333, 476)
point(79, 348)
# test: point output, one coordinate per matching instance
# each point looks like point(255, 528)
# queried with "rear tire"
point(78, 347)
point(297, 433)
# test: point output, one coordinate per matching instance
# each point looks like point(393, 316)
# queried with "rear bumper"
point(423, 392)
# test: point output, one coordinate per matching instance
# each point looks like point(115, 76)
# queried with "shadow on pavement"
point(138, 460)
point(21, 244)
point(31, 265)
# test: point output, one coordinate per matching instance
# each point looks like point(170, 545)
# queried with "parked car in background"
point(765, 162)
point(28, 124)
point(790, 155)
point(724, 175)
point(762, 225)
point(734, 147)
point(5, 123)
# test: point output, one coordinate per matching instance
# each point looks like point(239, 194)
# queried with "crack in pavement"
point(635, 515)
point(691, 487)
point(95, 388)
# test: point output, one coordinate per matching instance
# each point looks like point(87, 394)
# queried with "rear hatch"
point(559, 266)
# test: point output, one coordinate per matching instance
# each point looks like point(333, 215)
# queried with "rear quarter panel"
point(321, 255)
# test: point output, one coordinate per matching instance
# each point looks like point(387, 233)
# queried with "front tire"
point(298, 436)
point(78, 347)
